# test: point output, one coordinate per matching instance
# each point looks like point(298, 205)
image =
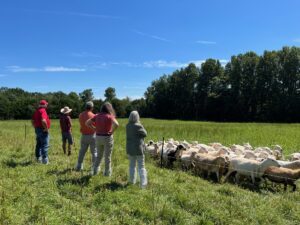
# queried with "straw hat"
point(65, 110)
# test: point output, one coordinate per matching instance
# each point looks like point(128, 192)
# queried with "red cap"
point(43, 102)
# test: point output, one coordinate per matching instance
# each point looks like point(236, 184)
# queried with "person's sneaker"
point(69, 153)
point(78, 168)
point(39, 160)
point(45, 161)
point(95, 171)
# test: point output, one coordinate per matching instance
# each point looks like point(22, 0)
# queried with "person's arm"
point(89, 123)
point(141, 131)
point(70, 122)
point(45, 126)
point(115, 125)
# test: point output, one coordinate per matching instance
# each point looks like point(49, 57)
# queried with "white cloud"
point(297, 40)
point(101, 16)
point(153, 64)
point(62, 69)
point(151, 36)
point(175, 64)
point(223, 62)
point(206, 42)
point(18, 69)
point(91, 15)
point(163, 64)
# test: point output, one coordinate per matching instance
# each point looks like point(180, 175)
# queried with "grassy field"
point(32, 193)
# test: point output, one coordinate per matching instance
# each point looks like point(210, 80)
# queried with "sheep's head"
point(223, 151)
point(277, 148)
point(277, 154)
point(150, 143)
point(179, 150)
point(270, 162)
point(180, 147)
point(193, 154)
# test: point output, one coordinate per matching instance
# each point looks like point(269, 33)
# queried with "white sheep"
point(290, 165)
point(238, 149)
point(210, 164)
point(250, 155)
point(295, 156)
point(249, 167)
point(248, 146)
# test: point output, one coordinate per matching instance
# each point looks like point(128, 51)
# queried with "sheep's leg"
point(218, 177)
point(294, 186)
point(285, 186)
point(253, 178)
point(237, 178)
point(227, 175)
point(208, 174)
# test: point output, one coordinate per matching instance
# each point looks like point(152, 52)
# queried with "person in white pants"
point(135, 134)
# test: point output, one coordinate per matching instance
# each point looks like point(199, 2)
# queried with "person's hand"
point(45, 130)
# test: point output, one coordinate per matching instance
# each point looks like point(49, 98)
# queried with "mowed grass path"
point(31, 193)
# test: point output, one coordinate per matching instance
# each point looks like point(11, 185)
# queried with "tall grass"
point(32, 193)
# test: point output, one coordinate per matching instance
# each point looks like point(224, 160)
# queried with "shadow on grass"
point(82, 181)
point(112, 186)
point(59, 172)
point(11, 163)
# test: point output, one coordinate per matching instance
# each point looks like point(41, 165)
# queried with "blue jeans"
point(42, 144)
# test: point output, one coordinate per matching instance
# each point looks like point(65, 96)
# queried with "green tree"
point(86, 95)
point(110, 94)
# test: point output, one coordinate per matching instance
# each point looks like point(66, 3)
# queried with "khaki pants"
point(86, 141)
point(104, 146)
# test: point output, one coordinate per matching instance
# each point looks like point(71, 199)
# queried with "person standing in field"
point(105, 125)
point(41, 124)
point(88, 136)
point(135, 134)
point(66, 129)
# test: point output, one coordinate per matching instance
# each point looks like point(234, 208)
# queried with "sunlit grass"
point(31, 193)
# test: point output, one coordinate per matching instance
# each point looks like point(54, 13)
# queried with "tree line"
point(248, 88)
point(16, 103)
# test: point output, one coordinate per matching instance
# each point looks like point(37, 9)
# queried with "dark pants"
point(42, 144)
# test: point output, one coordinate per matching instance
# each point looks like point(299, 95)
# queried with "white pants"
point(140, 160)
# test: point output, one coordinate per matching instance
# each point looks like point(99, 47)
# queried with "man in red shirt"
point(66, 125)
point(88, 137)
point(41, 123)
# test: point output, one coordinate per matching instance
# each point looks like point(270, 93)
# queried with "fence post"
point(162, 152)
point(25, 132)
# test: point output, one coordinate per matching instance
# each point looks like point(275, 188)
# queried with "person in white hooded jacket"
point(135, 134)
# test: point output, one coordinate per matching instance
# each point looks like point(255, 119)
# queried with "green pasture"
point(32, 193)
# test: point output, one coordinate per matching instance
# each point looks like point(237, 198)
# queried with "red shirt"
point(65, 123)
point(83, 117)
point(103, 123)
point(37, 117)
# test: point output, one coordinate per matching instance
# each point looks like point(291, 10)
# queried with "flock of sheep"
point(243, 161)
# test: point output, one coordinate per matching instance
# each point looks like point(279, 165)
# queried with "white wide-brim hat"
point(65, 110)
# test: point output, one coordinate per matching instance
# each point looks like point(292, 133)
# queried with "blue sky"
point(73, 45)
